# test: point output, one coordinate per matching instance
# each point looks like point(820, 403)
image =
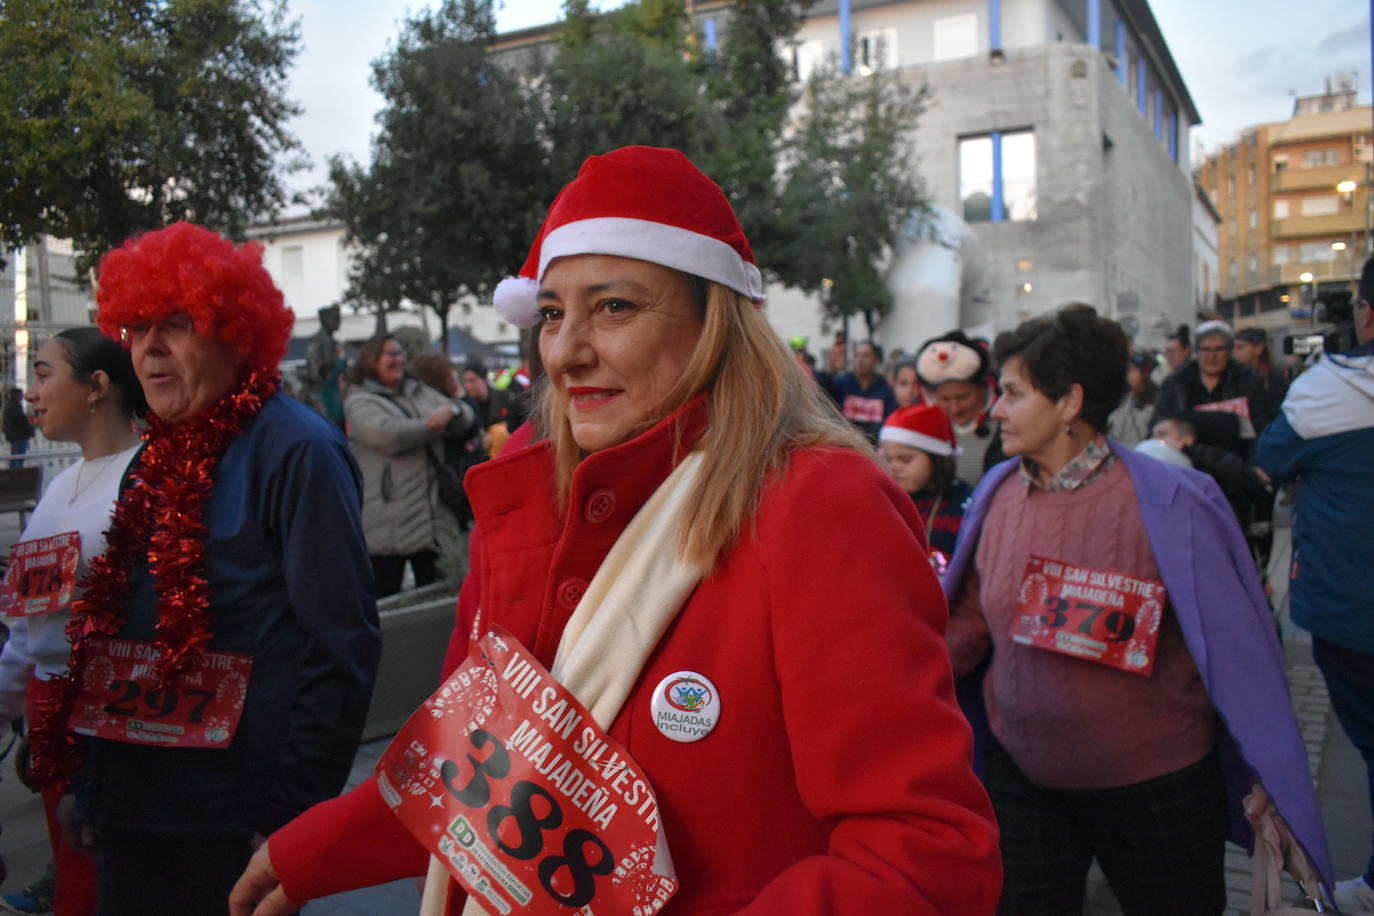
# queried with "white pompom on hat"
point(953, 357)
point(640, 202)
point(922, 426)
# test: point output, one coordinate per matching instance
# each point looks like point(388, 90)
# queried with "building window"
point(1254, 218)
point(1254, 264)
point(1309, 252)
point(877, 51)
point(1231, 185)
point(955, 37)
point(1321, 206)
point(1253, 175)
point(997, 176)
point(1281, 208)
point(806, 57)
point(1281, 254)
point(1316, 158)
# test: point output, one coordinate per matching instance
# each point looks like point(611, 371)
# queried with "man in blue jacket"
point(227, 640)
point(1324, 437)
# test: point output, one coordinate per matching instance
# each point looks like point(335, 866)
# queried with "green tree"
point(849, 186)
point(629, 84)
point(119, 116)
point(450, 200)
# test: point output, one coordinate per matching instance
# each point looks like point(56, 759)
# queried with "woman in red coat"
point(706, 555)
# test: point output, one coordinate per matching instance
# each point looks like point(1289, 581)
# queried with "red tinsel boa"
point(163, 514)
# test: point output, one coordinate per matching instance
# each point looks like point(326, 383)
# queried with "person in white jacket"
point(84, 391)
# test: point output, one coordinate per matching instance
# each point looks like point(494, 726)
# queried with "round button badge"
point(685, 706)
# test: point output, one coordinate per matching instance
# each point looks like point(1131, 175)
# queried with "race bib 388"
point(503, 776)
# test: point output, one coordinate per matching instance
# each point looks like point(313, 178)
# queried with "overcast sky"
point(1243, 60)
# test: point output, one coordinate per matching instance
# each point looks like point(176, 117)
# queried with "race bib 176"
point(41, 576)
point(1105, 617)
point(503, 776)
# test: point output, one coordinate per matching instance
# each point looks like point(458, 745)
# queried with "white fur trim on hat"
point(672, 246)
point(903, 436)
point(516, 298)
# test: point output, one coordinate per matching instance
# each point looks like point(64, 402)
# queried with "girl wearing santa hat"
point(691, 672)
point(917, 447)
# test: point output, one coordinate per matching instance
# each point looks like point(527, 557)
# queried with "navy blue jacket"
point(291, 586)
point(1324, 438)
point(867, 407)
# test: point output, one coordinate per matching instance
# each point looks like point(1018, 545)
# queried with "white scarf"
point(634, 596)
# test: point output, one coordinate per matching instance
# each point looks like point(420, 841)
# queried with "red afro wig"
point(187, 268)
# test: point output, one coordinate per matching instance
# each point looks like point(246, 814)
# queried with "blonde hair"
point(761, 406)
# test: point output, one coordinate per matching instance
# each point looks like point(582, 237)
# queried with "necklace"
point(105, 463)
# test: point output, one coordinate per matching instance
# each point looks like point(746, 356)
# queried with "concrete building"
point(40, 294)
point(1058, 129)
point(1206, 256)
point(310, 262)
point(1294, 198)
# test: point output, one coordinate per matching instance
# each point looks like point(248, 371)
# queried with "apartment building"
point(1294, 197)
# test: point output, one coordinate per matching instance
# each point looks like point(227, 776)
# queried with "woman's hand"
point(258, 892)
point(439, 417)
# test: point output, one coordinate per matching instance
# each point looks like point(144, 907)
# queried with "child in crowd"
point(1236, 478)
point(1246, 487)
point(917, 447)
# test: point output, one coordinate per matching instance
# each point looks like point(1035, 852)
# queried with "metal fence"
point(52, 457)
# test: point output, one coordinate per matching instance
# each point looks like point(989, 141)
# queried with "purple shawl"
point(1220, 605)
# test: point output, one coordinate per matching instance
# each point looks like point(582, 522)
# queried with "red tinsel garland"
point(162, 513)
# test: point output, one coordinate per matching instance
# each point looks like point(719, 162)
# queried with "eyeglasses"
point(177, 327)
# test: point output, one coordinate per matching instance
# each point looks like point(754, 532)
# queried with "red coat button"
point(570, 592)
point(600, 505)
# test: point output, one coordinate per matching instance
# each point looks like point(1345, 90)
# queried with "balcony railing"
point(1325, 177)
point(1334, 224)
point(1341, 268)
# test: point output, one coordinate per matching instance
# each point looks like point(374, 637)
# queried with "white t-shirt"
point(38, 645)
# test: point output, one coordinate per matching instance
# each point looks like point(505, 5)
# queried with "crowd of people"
point(735, 634)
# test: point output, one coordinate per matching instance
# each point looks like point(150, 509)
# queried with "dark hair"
point(1186, 428)
point(944, 473)
point(368, 353)
point(877, 350)
point(1366, 292)
point(476, 367)
point(906, 364)
point(432, 368)
point(1073, 346)
point(1182, 335)
point(89, 351)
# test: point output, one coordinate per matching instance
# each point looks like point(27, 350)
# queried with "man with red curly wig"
point(224, 652)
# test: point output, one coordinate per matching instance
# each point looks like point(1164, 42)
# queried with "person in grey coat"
point(395, 424)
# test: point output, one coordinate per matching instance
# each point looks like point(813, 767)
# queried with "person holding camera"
point(1324, 438)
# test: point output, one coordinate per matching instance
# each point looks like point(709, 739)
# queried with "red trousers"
point(75, 894)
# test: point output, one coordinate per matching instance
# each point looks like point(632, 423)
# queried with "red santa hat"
point(920, 426)
point(637, 202)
